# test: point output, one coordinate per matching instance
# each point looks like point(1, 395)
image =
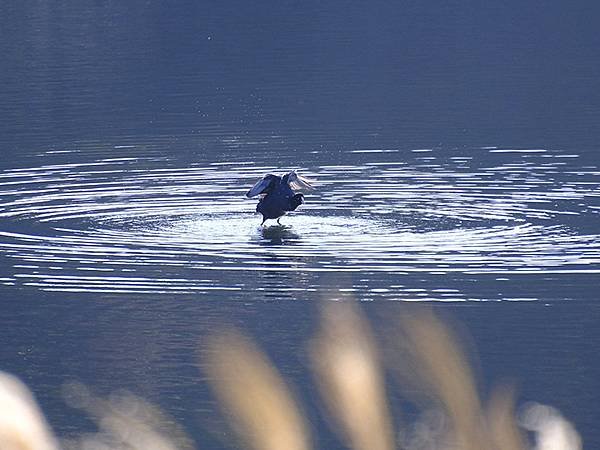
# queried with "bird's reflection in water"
point(278, 235)
point(276, 282)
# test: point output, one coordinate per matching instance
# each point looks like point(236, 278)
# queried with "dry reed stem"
point(351, 381)
point(258, 400)
point(126, 422)
point(350, 378)
point(552, 430)
point(502, 425)
point(443, 369)
point(22, 424)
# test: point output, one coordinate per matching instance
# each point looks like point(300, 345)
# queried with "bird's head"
point(296, 201)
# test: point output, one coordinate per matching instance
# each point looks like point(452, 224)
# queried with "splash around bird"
point(279, 194)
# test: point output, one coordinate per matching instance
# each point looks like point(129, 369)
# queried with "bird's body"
point(278, 194)
point(279, 200)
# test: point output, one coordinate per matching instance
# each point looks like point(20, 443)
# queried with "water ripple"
point(151, 224)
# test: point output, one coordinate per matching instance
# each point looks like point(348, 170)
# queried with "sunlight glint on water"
point(144, 224)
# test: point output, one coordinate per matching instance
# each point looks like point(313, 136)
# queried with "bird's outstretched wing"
point(262, 186)
point(298, 182)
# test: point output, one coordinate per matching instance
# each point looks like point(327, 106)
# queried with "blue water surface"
point(454, 150)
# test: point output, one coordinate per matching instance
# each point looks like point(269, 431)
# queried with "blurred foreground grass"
point(348, 371)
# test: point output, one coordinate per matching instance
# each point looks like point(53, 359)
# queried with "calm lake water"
point(454, 150)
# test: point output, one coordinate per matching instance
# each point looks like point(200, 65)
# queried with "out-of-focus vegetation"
point(347, 365)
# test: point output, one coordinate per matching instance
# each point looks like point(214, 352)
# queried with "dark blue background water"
point(454, 146)
point(452, 73)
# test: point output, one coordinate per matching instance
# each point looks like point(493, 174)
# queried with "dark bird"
point(278, 194)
